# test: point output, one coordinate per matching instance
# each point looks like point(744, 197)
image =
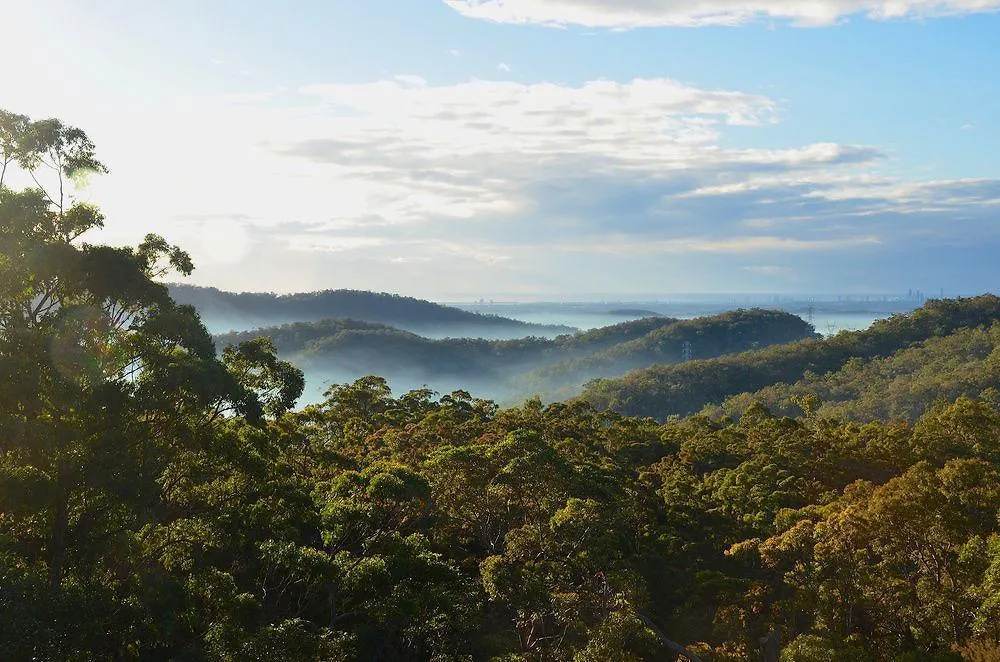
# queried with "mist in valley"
point(340, 351)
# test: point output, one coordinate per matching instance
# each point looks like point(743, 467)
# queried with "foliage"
point(683, 389)
point(902, 385)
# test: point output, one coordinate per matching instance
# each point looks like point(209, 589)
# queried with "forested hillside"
point(703, 337)
point(312, 336)
point(230, 311)
point(337, 351)
point(662, 391)
point(901, 386)
point(160, 500)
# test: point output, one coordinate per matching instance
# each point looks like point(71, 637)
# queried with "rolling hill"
point(229, 311)
point(664, 390)
point(341, 350)
point(667, 344)
point(902, 386)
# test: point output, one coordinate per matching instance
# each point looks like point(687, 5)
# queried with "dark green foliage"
point(704, 337)
point(901, 386)
point(662, 391)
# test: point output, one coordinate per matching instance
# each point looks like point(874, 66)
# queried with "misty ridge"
point(339, 336)
point(229, 311)
point(341, 350)
point(896, 369)
point(660, 366)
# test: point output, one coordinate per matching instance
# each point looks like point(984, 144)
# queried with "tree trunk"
point(772, 646)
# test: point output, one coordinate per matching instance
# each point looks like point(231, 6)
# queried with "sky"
point(531, 149)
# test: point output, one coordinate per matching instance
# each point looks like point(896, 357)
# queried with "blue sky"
point(536, 148)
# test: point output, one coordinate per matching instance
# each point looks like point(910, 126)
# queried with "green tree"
point(107, 384)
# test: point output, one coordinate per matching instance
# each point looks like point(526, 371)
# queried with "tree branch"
point(672, 645)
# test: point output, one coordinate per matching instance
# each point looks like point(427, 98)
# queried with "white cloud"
point(625, 14)
point(418, 152)
point(478, 253)
point(504, 67)
point(408, 259)
point(661, 122)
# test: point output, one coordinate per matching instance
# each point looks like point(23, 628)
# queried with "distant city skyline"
point(536, 148)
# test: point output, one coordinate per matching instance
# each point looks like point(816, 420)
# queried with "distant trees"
point(513, 369)
point(253, 309)
point(667, 343)
point(902, 385)
point(683, 389)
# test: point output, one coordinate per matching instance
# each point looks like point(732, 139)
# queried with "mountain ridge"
point(666, 390)
point(337, 350)
point(224, 311)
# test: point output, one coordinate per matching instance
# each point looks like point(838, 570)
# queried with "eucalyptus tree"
point(106, 382)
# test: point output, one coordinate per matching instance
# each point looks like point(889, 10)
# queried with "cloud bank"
point(491, 185)
point(627, 14)
point(501, 149)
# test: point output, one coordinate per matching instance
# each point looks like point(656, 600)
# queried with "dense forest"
point(339, 350)
point(230, 311)
point(162, 500)
point(668, 390)
point(700, 338)
point(902, 385)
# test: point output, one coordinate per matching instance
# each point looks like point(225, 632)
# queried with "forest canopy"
point(669, 390)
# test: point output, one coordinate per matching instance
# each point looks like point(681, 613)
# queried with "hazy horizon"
point(514, 298)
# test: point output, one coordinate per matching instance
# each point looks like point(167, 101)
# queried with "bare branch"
point(674, 647)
